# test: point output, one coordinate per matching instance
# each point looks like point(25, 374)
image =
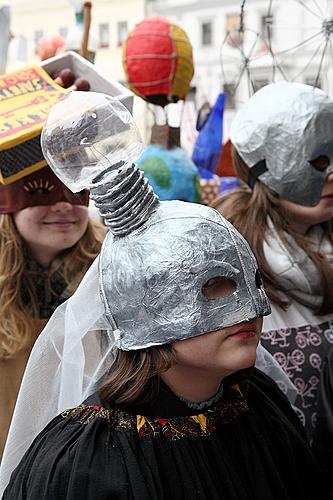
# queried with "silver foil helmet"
point(284, 133)
point(158, 255)
point(152, 279)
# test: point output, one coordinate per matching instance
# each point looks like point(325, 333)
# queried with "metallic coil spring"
point(123, 197)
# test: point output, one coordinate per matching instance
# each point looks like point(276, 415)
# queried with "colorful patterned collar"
point(203, 424)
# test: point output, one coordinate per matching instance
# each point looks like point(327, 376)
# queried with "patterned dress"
point(300, 351)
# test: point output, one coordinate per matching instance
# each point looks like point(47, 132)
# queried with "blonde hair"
point(134, 378)
point(17, 316)
point(249, 209)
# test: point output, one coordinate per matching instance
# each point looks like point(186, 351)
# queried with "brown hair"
point(134, 378)
point(17, 316)
point(249, 209)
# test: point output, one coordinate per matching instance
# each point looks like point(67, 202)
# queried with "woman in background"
point(47, 243)
point(283, 153)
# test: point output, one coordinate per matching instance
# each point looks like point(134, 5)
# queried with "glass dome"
point(86, 134)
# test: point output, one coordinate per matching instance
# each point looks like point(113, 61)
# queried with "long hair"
point(248, 210)
point(134, 377)
point(18, 315)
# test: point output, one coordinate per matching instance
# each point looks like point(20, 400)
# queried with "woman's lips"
point(245, 335)
point(245, 331)
point(60, 223)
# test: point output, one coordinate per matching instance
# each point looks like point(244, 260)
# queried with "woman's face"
point(49, 229)
point(302, 218)
point(224, 351)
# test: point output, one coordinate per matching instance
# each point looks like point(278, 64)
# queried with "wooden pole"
point(86, 28)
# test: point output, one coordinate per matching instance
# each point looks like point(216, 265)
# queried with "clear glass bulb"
point(86, 134)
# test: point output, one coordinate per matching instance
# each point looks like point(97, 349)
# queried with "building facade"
point(279, 39)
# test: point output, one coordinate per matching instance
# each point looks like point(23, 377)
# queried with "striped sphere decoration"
point(158, 61)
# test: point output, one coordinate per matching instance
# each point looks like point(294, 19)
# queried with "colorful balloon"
point(158, 62)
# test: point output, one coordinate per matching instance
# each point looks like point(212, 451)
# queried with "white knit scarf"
point(293, 269)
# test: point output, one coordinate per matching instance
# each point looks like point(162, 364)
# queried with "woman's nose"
point(61, 206)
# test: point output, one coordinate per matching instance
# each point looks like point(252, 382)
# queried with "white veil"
point(73, 352)
point(268, 364)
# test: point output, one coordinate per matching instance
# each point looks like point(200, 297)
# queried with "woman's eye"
point(320, 163)
point(210, 283)
point(219, 286)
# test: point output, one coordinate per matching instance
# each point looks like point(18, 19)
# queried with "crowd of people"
point(160, 338)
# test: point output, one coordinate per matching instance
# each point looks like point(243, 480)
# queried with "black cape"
point(249, 445)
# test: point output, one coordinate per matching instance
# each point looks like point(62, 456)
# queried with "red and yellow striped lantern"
point(158, 62)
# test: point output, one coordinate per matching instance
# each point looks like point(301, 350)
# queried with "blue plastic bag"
point(208, 145)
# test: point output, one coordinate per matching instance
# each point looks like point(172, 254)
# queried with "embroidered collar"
point(203, 424)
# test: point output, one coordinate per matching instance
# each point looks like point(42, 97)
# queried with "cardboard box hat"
point(26, 96)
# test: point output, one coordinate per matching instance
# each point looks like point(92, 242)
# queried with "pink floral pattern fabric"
point(300, 352)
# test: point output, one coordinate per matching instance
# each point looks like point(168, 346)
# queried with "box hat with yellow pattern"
point(26, 97)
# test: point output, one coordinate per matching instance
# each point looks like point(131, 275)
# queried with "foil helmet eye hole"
point(320, 163)
point(219, 286)
point(258, 279)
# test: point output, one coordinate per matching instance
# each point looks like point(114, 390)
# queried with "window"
point(122, 32)
point(229, 90)
point(22, 49)
point(63, 32)
point(37, 36)
point(206, 34)
point(232, 26)
point(266, 27)
point(104, 35)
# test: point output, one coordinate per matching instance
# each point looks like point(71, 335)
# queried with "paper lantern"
point(158, 63)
